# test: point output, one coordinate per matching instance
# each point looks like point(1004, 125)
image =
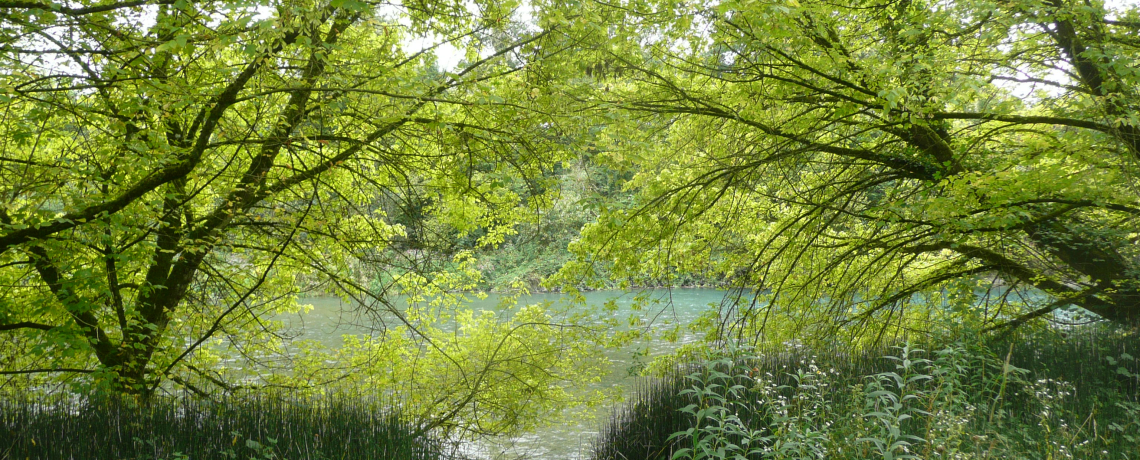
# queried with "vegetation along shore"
point(569, 229)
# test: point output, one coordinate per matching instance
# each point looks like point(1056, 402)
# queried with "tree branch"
point(382, 131)
point(58, 8)
point(1016, 322)
point(178, 170)
point(86, 320)
point(26, 325)
point(1019, 119)
point(43, 371)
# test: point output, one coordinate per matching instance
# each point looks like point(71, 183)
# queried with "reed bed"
point(1052, 394)
point(259, 427)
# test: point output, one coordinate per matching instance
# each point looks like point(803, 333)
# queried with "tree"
point(875, 162)
point(173, 173)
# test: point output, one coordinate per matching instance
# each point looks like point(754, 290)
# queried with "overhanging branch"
point(45, 371)
point(26, 325)
point(58, 8)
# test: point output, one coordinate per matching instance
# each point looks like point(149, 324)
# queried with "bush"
point(715, 401)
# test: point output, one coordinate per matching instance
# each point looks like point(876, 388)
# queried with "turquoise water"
point(330, 319)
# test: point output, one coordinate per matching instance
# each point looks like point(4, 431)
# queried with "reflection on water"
point(568, 439)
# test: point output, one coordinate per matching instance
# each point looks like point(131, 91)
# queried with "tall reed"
point(262, 427)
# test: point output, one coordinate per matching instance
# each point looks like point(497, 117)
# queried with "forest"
point(569, 229)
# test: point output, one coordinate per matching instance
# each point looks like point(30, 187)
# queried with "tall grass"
point(1040, 395)
point(641, 429)
point(257, 427)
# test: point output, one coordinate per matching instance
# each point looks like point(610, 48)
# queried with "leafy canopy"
point(881, 165)
point(173, 174)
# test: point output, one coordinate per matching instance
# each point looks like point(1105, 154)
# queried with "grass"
point(257, 427)
point(1039, 395)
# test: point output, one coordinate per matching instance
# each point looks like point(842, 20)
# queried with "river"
point(568, 439)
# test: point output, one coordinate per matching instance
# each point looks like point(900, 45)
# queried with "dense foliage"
point(875, 162)
point(176, 173)
point(1044, 397)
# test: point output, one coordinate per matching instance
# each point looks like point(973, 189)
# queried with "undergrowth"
point(1057, 395)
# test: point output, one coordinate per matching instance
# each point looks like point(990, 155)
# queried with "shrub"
point(1052, 395)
